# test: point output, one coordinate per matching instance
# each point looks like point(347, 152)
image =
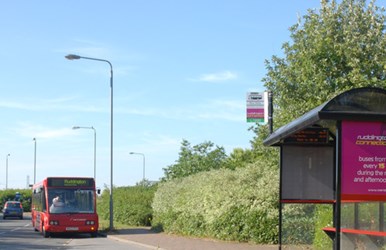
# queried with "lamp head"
point(76, 127)
point(72, 57)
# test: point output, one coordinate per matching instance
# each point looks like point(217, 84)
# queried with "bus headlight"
point(54, 222)
point(90, 222)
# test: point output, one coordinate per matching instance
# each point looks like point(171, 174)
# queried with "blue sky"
point(181, 71)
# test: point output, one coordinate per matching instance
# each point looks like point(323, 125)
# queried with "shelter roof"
point(359, 104)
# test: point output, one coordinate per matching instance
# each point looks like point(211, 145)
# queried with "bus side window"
point(44, 207)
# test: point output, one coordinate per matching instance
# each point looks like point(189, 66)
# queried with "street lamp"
point(6, 172)
point(77, 127)
point(75, 57)
point(143, 155)
point(34, 139)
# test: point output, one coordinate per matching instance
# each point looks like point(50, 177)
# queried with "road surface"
point(18, 234)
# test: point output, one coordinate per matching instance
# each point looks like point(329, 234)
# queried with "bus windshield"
point(64, 200)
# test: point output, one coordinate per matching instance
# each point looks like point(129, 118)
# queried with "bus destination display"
point(70, 182)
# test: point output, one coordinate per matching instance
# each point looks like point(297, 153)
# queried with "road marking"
point(15, 229)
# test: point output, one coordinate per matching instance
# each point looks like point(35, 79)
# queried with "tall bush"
point(194, 159)
point(237, 205)
point(132, 205)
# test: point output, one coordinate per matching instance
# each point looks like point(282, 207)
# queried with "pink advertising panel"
point(363, 160)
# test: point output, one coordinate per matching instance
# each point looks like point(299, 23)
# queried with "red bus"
point(64, 205)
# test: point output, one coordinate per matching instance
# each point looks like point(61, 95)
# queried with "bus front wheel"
point(33, 225)
point(45, 233)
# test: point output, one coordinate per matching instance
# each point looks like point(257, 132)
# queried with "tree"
point(201, 157)
point(239, 158)
point(339, 47)
point(261, 153)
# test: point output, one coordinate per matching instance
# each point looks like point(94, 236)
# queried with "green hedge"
point(132, 205)
point(237, 205)
point(9, 194)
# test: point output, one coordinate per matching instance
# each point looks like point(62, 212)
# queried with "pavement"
point(148, 238)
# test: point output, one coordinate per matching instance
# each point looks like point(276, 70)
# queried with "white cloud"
point(217, 77)
point(161, 142)
point(15, 105)
point(227, 104)
point(224, 115)
point(222, 109)
point(41, 132)
point(54, 133)
point(61, 103)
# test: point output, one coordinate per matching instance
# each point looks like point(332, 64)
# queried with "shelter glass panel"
point(302, 226)
point(307, 173)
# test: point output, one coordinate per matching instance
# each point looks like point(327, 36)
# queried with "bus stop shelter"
point(335, 155)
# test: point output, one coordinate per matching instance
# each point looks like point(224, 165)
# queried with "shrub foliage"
point(237, 205)
point(10, 195)
point(132, 205)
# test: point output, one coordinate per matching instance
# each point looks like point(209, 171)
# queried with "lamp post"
point(6, 172)
point(34, 139)
point(143, 155)
point(78, 127)
point(75, 57)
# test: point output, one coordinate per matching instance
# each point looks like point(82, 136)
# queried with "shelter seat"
point(330, 231)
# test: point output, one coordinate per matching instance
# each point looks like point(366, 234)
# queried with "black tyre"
point(33, 225)
point(45, 233)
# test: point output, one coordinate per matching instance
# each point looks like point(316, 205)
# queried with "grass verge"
point(104, 226)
